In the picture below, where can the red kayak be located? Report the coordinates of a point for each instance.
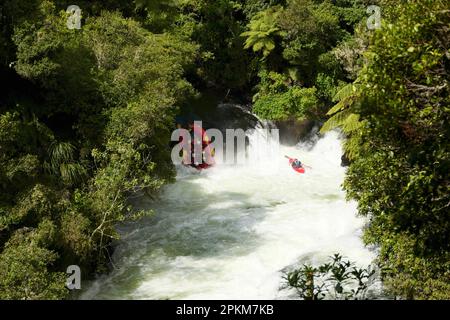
(299, 170)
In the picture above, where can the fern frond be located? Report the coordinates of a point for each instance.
(61, 163)
(345, 92)
(336, 108)
(60, 153)
(337, 120)
(352, 146)
(72, 173)
(351, 123)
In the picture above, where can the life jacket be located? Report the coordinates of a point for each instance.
(296, 164)
(200, 132)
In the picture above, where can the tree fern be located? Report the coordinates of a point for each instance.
(71, 172)
(262, 29)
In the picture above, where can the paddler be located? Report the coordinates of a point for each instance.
(297, 164)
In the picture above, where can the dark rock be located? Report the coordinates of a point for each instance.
(345, 162)
(292, 131)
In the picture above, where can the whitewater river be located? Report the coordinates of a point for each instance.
(229, 232)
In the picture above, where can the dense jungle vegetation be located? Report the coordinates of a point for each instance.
(86, 116)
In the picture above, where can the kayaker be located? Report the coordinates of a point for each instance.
(297, 164)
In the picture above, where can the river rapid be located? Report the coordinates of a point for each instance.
(230, 231)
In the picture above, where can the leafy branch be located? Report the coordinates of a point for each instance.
(338, 279)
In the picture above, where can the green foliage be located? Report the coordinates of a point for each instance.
(338, 279)
(216, 27)
(349, 53)
(312, 29)
(299, 40)
(278, 100)
(62, 163)
(253, 7)
(24, 267)
(93, 129)
(398, 114)
(263, 29)
(296, 102)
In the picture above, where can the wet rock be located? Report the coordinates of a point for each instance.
(292, 130)
(345, 162)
